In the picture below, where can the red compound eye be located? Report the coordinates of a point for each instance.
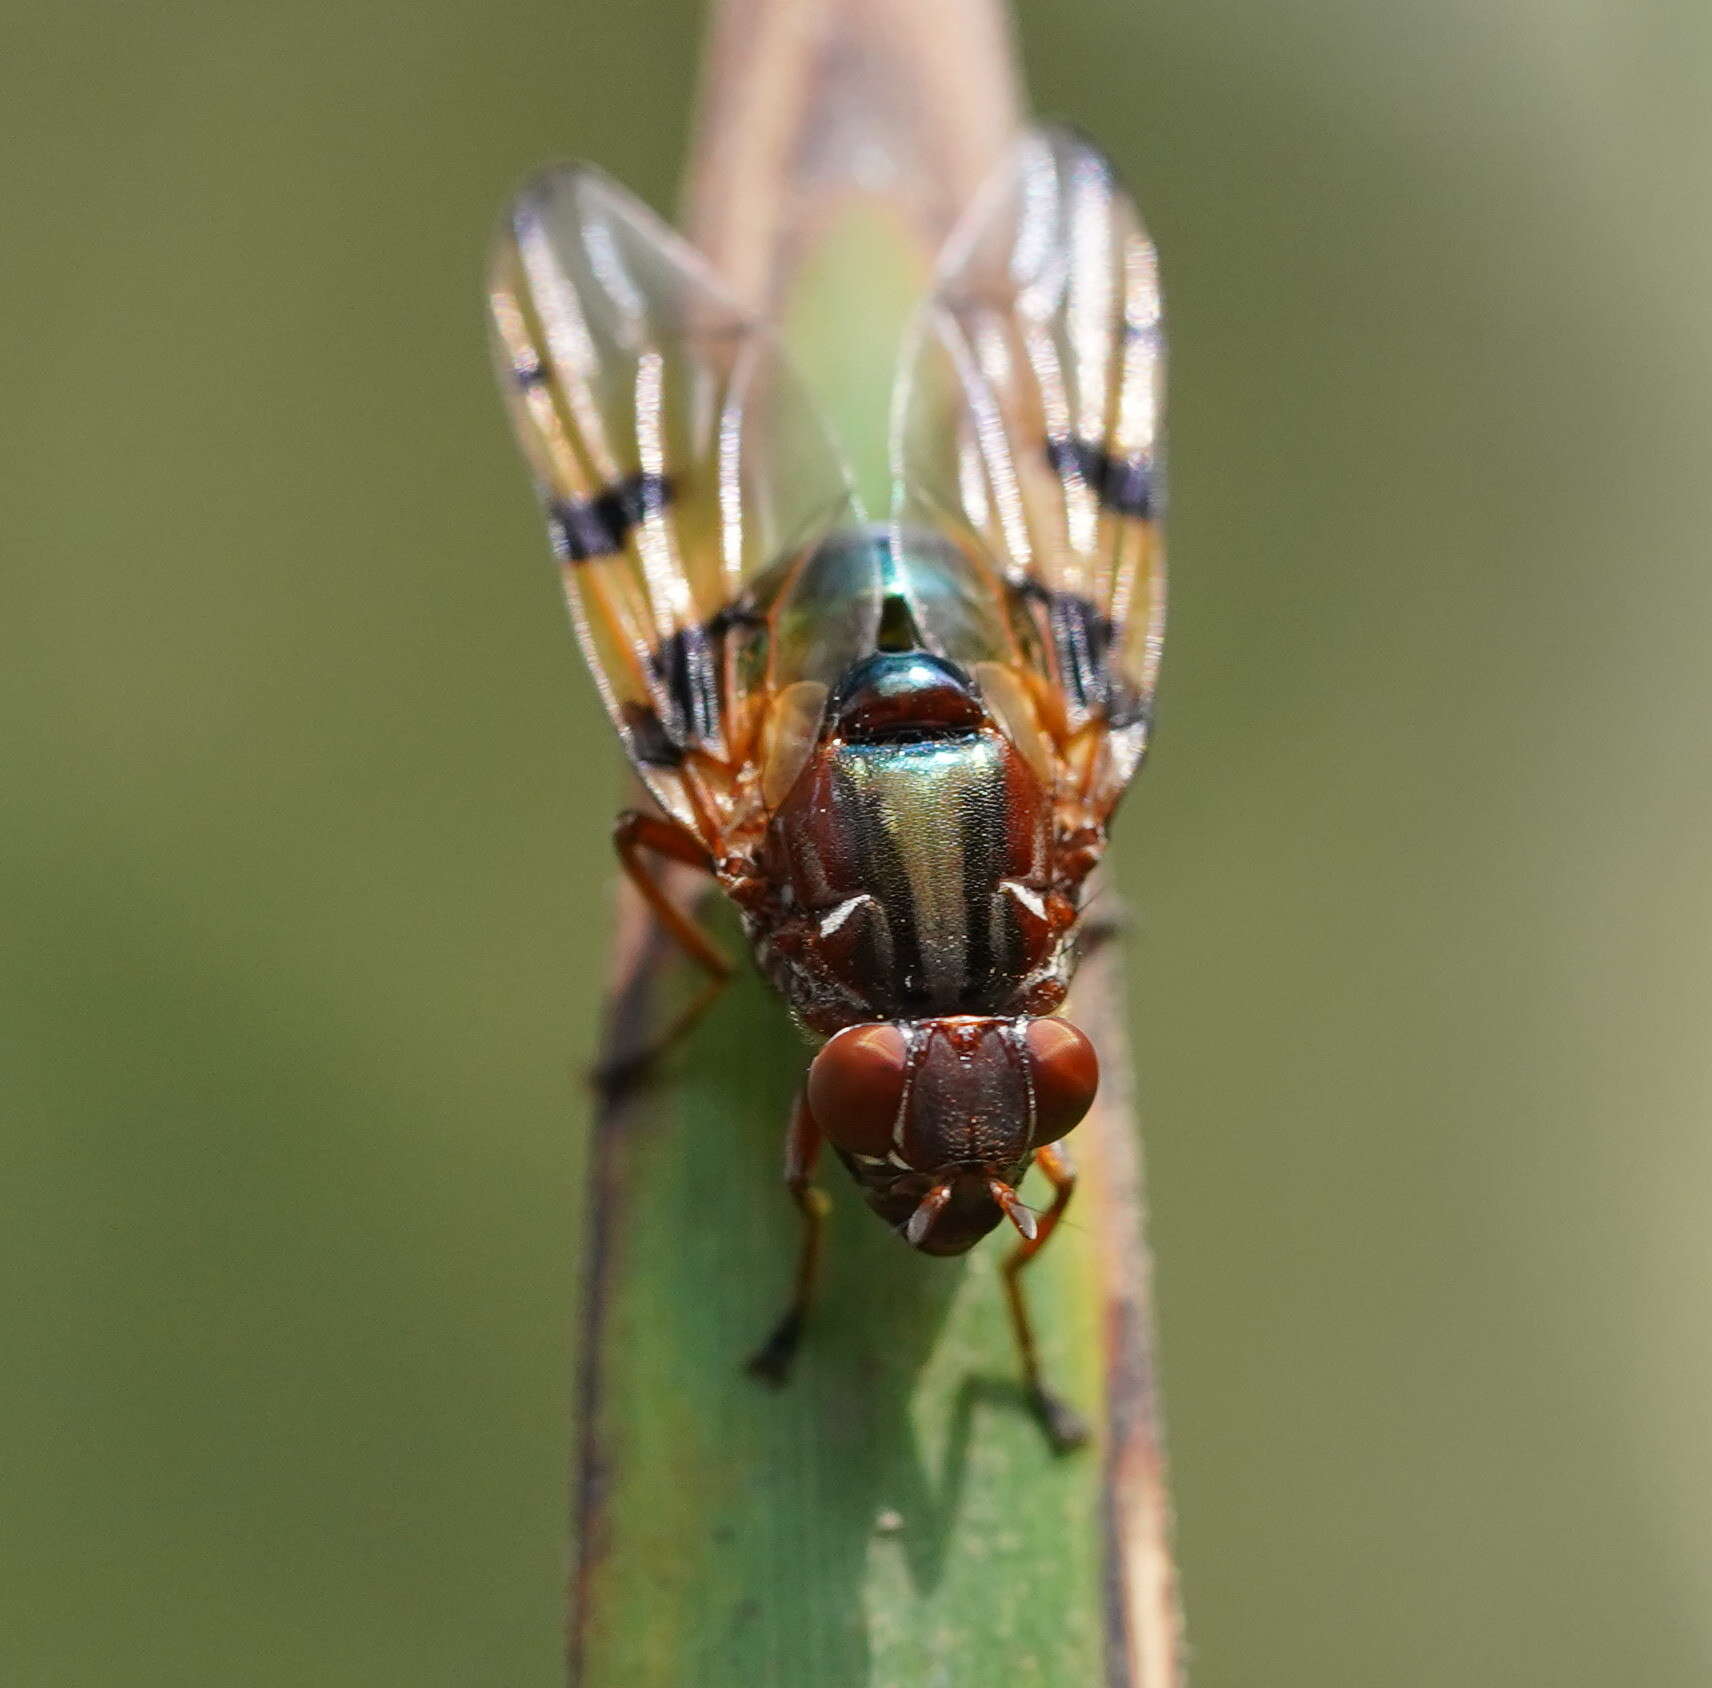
(1066, 1074)
(856, 1086)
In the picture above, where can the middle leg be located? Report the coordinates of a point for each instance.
(635, 837)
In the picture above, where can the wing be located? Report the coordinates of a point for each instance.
(686, 479)
(1028, 431)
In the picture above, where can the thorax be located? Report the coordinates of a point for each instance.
(913, 851)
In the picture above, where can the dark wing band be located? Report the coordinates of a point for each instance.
(677, 459)
(1029, 426)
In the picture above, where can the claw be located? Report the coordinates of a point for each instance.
(771, 1362)
(1066, 1429)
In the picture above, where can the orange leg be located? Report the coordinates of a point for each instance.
(772, 1360)
(1065, 1428)
(634, 832)
(636, 836)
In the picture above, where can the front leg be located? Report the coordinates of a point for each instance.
(1065, 1427)
(771, 1362)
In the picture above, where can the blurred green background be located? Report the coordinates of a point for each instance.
(306, 802)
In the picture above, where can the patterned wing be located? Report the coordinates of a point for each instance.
(1028, 431)
(685, 476)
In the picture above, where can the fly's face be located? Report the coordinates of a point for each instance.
(938, 1119)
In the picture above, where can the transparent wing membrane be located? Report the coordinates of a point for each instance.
(1028, 432)
(681, 468)
(712, 552)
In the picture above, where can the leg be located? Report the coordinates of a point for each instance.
(1064, 1426)
(772, 1360)
(633, 835)
(634, 832)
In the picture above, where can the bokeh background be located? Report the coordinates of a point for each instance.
(306, 798)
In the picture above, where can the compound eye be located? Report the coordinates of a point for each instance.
(856, 1086)
(1066, 1073)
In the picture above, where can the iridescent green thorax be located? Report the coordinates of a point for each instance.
(931, 819)
(915, 842)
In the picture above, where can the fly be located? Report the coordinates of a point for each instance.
(894, 739)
